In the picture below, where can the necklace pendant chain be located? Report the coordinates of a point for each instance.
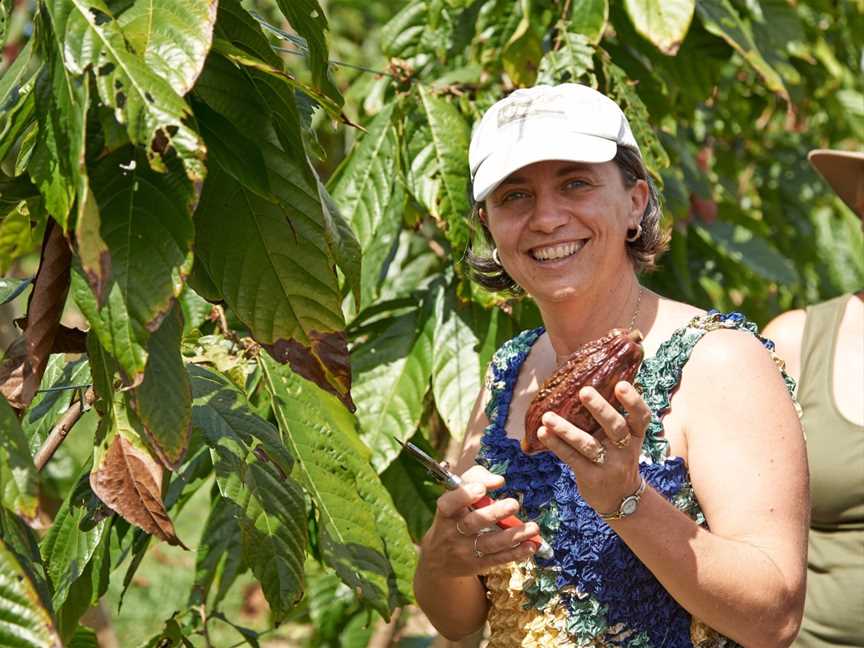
(636, 312)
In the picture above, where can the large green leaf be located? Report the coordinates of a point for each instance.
(219, 557)
(57, 162)
(146, 225)
(47, 406)
(72, 540)
(721, 19)
(308, 19)
(252, 468)
(456, 370)
(391, 378)
(362, 536)
(438, 168)
(523, 51)
(172, 36)
(366, 190)
(235, 25)
(19, 482)
(164, 399)
(663, 23)
(25, 621)
(17, 103)
(588, 18)
(414, 493)
(745, 247)
(154, 114)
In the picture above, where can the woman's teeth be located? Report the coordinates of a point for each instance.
(555, 251)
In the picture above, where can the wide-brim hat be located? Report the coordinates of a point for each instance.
(842, 170)
(569, 122)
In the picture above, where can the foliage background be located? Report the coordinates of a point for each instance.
(193, 155)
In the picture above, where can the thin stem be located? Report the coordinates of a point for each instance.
(63, 427)
(295, 52)
(63, 388)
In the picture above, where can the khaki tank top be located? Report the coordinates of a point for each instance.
(834, 608)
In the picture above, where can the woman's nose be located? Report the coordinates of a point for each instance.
(548, 214)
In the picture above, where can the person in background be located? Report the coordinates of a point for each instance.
(683, 520)
(823, 346)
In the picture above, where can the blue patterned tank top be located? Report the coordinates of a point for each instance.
(594, 591)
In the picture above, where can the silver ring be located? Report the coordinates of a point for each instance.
(459, 528)
(600, 458)
(477, 552)
(623, 443)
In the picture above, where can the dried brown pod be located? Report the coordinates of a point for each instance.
(600, 364)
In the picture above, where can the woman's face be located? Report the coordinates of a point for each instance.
(561, 226)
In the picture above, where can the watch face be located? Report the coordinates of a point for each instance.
(628, 506)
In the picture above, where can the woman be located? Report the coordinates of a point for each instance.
(824, 351)
(701, 480)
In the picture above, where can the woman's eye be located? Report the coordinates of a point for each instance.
(575, 183)
(513, 195)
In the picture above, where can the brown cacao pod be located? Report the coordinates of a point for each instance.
(600, 364)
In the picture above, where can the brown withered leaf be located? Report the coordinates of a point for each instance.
(129, 481)
(67, 340)
(21, 374)
(326, 362)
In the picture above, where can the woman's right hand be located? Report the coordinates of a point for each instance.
(456, 545)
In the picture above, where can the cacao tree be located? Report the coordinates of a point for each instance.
(257, 213)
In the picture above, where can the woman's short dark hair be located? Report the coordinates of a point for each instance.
(643, 252)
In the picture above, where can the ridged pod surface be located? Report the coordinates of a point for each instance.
(600, 364)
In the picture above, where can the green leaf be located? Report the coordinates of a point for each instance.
(366, 190)
(235, 25)
(391, 378)
(17, 102)
(621, 90)
(588, 18)
(73, 539)
(172, 36)
(252, 468)
(25, 623)
(57, 162)
(414, 494)
(751, 250)
(84, 637)
(19, 481)
(342, 242)
(572, 62)
(16, 236)
(164, 399)
(219, 558)
(308, 19)
(362, 536)
(720, 18)
(146, 224)
(663, 23)
(456, 370)
(523, 51)
(154, 114)
(47, 406)
(438, 171)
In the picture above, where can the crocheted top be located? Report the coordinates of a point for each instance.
(594, 591)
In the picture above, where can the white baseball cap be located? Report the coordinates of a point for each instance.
(564, 122)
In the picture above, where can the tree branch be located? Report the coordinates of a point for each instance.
(64, 425)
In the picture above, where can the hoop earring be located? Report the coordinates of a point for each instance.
(632, 238)
(495, 257)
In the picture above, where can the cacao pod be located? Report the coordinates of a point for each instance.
(600, 364)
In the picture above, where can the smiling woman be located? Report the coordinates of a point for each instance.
(653, 544)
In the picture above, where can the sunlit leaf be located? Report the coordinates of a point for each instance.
(523, 51)
(19, 484)
(47, 407)
(588, 18)
(663, 23)
(362, 536)
(26, 622)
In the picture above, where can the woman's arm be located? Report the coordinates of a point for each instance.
(446, 584)
(744, 575)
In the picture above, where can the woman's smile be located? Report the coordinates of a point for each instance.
(556, 252)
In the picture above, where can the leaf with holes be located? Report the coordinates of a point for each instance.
(362, 536)
(152, 111)
(172, 36)
(27, 622)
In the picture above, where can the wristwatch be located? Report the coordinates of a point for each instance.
(628, 505)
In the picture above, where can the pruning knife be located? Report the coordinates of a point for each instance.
(442, 475)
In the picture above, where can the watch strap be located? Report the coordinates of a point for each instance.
(620, 513)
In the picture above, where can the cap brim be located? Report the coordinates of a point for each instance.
(572, 147)
(841, 169)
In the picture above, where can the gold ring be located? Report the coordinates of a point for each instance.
(459, 528)
(623, 443)
(477, 552)
(600, 459)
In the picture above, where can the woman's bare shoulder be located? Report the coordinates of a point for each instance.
(786, 331)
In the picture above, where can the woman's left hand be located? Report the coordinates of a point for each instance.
(606, 466)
